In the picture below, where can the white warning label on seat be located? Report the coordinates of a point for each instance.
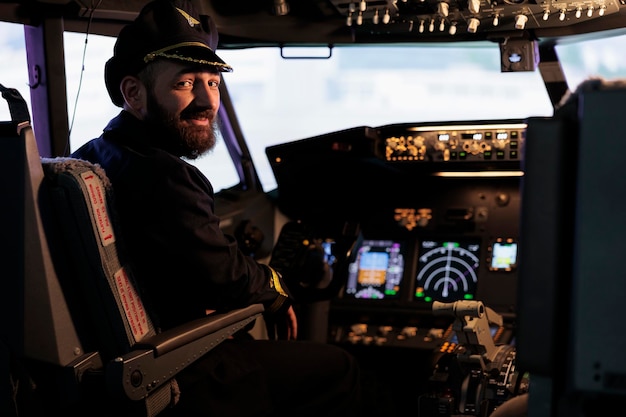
(133, 308)
(97, 199)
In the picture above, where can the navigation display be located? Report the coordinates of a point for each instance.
(503, 255)
(447, 270)
(377, 271)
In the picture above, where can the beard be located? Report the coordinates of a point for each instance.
(174, 136)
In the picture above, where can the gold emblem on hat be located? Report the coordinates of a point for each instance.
(192, 22)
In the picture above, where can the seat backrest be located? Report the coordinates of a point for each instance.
(571, 280)
(79, 221)
(32, 296)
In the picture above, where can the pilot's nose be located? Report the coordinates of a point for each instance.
(207, 96)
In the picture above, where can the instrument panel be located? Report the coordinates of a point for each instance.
(476, 142)
(437, 205)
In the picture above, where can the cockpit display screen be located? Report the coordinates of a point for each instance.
(447, 270)
(377, 270)
(503, 255)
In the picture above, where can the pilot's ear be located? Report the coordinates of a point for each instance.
(134, 93)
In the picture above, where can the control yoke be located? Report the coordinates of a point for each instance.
(472, 328)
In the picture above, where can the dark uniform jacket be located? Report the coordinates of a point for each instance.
(181, 259)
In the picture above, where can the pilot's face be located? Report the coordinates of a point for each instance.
(184, 100)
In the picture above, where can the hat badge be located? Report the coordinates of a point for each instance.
(190, 19)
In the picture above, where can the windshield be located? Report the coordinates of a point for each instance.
(279, 100)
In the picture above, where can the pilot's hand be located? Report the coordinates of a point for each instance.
(282, 325)
(291, 324)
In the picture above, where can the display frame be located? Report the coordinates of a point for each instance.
(368, 262)
(430, 273)
(503, 255)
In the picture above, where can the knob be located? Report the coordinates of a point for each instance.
(443, 8)
(472, 25)
(474, 6)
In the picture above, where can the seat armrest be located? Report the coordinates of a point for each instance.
(169, 340)
(154, 361)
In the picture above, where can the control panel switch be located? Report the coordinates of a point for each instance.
(409, 331)
(359, 329)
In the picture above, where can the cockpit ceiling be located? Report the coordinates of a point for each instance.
(414, 21)
(246, 23)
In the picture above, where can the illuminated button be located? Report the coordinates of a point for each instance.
(435, 333)
(487, 154)
(500, 154)
(462, 155)
(475, 147)
(513, 144)
(384, 330)
(359, 328)
(409, 331)
(513, 155)
(453, 155)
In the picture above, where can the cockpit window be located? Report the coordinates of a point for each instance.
(280, 100)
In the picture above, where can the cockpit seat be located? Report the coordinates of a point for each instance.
(77, 335)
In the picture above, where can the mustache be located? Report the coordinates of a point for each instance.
(195, 113)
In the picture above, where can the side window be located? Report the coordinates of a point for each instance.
(14, 69)
(89, 106)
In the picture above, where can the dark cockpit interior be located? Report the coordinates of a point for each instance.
(465, 263)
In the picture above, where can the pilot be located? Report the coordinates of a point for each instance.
(165, 76)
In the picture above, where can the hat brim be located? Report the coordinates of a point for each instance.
(190, 52)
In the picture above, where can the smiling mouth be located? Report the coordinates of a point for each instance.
(197, 118)
(202, 121)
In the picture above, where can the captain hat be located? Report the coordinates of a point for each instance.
(170, 29)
